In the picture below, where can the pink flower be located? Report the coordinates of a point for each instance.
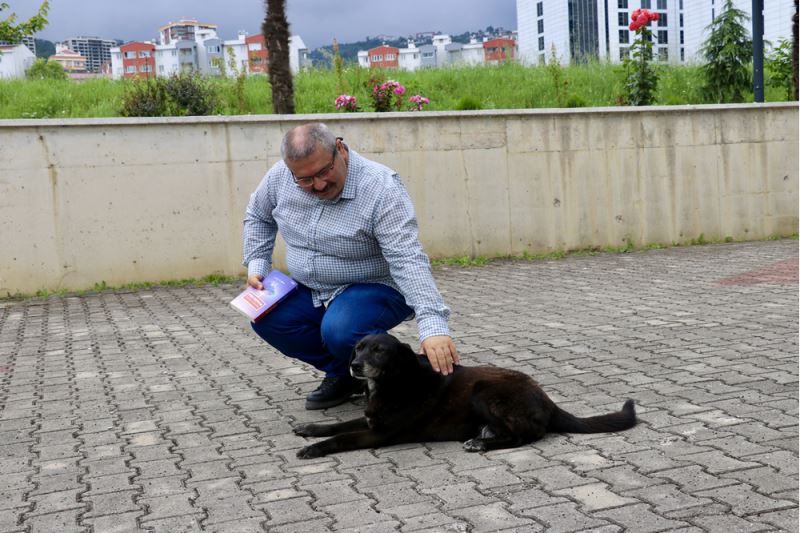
(346, 102)
(418, 102)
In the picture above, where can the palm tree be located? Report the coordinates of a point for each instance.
(276, 35)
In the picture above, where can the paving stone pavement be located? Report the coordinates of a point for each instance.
(159, 410)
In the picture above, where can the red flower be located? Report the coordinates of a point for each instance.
(635, 14)
(640, 18)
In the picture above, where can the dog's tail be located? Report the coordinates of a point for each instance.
(564, 422)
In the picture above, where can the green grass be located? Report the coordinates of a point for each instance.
(509, 86)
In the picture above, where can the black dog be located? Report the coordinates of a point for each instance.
(410, 402)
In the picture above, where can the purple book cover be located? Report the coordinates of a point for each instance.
(254, 303)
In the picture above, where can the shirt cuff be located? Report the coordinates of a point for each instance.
(258, 266)
(432, 325)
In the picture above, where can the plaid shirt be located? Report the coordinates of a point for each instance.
(367, 235)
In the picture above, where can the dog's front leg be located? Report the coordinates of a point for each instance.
(328, 430)
(343, 442)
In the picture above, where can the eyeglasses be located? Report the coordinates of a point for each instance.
(306, 181)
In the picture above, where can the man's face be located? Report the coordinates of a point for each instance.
(322, 173)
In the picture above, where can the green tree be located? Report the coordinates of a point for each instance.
(779, 67)
(43, 69)
(728, 52)
(14, 32)
(276, 35)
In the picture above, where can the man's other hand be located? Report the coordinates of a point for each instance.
(255, 281)
(441, 352)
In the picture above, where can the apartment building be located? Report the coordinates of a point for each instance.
(72, 62)
(184, 30)
(29, 42)
(777, 22)
(138, 59)
(204, 53)
(97, 51)
(581, 30)
(440, 53)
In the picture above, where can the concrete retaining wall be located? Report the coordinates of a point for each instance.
(127, 200)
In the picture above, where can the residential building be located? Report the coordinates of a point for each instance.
(298, 54)
(580, 30)
(184, 30)
(258, 55)
(499, 50)
(777, 22)
(15, 59)
(136, 59)
(96, 50)
(384, 57)
(73, 62)
(409, 57)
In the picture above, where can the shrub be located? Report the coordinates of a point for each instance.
(779, 67)
(576, 101)
(191, 94)
(181, 95)
(467, 103)
(46, 70)
(145, 98)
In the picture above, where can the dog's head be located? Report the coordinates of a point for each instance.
(382, 356)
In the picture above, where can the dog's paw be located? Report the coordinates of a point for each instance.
(303, 430)
(310, 452)
(475, 445)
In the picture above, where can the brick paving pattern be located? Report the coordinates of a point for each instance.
(159, 410)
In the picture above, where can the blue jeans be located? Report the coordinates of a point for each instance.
(324, 338)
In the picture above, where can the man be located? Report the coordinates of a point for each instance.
(352, 246)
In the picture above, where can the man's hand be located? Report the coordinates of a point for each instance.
(255, 281)
(441, 352)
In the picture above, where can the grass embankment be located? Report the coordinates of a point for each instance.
(510, 86)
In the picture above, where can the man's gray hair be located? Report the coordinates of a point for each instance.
(300, 142)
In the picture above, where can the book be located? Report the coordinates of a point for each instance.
(254, 303)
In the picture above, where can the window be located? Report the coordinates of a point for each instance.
(144, 53)
(680, 4)
(540, 25)
(145, 68)
(680, 18)
(622, 18)
(541, 43)
(174, 53)
(130, 69)
(541, 59)
(255, 47)
(377, 57)
(662, 20)
(624, 36)
(646, 4)
(681, 36)
(682, 58)
(539, 9)
(623, 53)
(161, 69)
(662, 37)
(427, 55)
(391, 57)
(130, 55)
(663, 55)
(661, 4)
(622, 4)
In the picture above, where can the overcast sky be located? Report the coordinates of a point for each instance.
(317, 22)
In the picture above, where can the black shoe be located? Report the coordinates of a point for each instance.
(333, 391)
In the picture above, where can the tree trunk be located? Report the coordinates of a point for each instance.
(276, 35)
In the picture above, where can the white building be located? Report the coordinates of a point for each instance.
(579, 30)
(15, 59)
(777, 22)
